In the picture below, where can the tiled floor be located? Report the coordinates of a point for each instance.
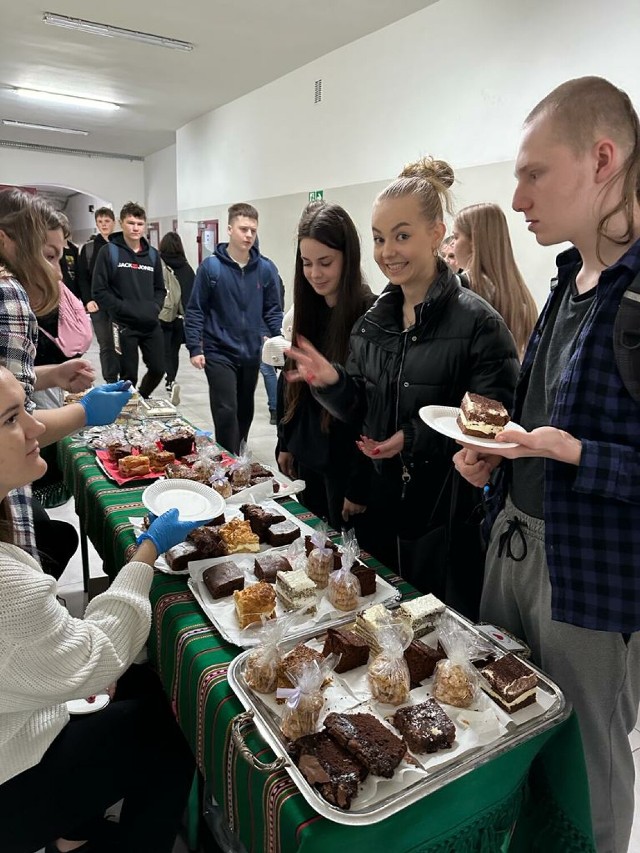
(262, 438)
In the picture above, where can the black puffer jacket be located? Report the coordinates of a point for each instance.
(458, 344)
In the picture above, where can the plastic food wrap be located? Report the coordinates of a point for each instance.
(218, 481)
(320, 559)
(388, 672)
(304, 703)
(455, 681)
(240, 470)
(261, 668)
(343, 586)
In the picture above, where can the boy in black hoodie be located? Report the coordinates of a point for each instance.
(128, 284)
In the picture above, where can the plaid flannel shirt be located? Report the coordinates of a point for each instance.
(592, 512)
(18, 340)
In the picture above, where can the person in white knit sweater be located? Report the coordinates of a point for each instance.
(58, 773)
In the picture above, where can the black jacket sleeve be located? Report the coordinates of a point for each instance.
(84, 276)
(101, 289)
(494, 372)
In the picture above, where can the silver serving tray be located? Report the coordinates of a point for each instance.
(267, 725)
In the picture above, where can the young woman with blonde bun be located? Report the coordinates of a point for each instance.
(482, 247)
(427, 340)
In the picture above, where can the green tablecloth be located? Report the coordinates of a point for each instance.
(542, 783)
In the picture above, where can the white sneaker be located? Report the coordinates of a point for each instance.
(175, 394)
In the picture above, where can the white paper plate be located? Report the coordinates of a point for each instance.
(81, 706)
(194, 501)
(443, 420)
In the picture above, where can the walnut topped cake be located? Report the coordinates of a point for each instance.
(481, 416)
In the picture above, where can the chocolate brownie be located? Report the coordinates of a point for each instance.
(366, 576)
(425, 727)
(328, 767)
(421, 660)
(179, 556)
(260, 519)
(352, 649)
(223, 578)
(208, 542)
(179, 442)
(266, 565)
(283, 533)
(368, 740)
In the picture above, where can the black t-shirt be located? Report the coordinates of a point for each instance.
(553, 354)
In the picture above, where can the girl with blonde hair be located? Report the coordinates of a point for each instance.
(426, 341)
(482, 247)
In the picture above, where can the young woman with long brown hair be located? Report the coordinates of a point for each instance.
(482, 247)
(329, 295)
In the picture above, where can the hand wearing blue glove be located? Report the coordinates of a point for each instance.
(167, 530)
(103, 404)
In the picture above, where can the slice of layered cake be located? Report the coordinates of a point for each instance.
(510, 683)
(296, 591)
(481, 416)
(422, 613)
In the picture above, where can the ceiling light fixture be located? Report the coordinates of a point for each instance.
(9, 122)
(68, 100)
(113, 32)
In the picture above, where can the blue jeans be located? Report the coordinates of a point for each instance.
(270, 383)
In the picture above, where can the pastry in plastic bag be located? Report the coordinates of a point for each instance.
(388, 672)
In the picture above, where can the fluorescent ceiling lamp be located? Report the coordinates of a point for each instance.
(68, 100)
(113, 32)
(8, 122)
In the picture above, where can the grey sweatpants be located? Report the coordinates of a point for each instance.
(597, 670)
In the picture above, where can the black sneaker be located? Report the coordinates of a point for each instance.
(273, 418)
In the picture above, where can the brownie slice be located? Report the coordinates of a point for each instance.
(366, 576)
(266, 566)
(425, 727)
(368, 740)
(179, 442)
(352, 649)
(223, 578)
(329, 768)
(421, 660)
(283, 533)
(179, 556)
(260, 519)
(209, 542)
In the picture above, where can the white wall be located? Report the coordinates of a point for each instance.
(81, 219)
(115, 181)
(161, 187)
(394, 95)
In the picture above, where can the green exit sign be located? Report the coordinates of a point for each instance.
(316, 195)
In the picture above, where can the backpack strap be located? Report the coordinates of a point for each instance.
(626, 338)
(113, 256)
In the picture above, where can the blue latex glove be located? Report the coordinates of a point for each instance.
(103, 404)
(167, 530)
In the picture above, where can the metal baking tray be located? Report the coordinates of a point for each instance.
(267, 724)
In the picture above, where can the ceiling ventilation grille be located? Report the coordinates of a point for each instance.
(75, 152)
(317, 92)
